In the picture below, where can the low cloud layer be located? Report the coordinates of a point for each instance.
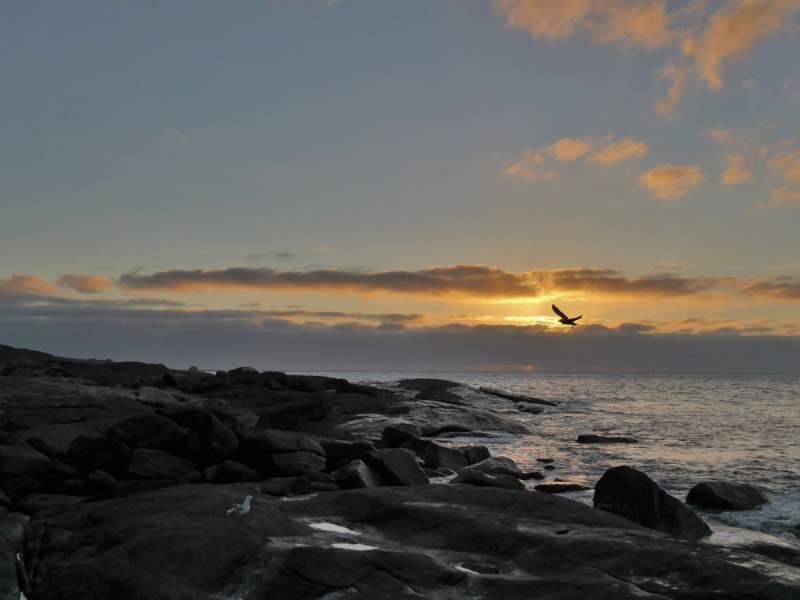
(86, 284)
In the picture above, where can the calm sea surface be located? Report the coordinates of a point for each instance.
(691, 428)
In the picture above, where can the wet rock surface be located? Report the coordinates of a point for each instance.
(726, 496)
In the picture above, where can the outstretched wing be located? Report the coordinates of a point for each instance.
(576, 318)
(559, 313)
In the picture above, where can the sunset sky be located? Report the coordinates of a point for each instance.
(403, 184)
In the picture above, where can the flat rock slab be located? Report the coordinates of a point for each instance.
(430, 541)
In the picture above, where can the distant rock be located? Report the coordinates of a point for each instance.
(632, 494)
(589, 438)
(516, 397)
(560, 487)
(479, 478)
(727, 496)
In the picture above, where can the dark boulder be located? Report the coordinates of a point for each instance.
(286, 486)
(475, 454)
(498, 465)
(229, 471)
(532, 475)
(589, 438)
(357, 475)
(560, 487)
(472, 477)
(157, 464)
(632, 494)
(256, 448)
(396, 435)
(435, 456)
(727, 496)
(286, 464)
(339, 453)
(209, 441)
(99, 454)
(19, 487)
(36, 502)
(152, 431)
(23, 461)
(397, 466)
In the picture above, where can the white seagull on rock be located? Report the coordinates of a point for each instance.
(240, 510)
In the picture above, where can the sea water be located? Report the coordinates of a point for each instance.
(690, 428)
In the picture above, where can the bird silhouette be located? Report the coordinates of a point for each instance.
(564, 320)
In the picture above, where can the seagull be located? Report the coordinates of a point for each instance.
(565, 320)
(240, 510)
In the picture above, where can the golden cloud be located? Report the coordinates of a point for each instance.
(86, 284)
(527, 167)
(568, 149)
(783, 195)
(668, 182)
(19, 284)
(736, 172)
(614, 152)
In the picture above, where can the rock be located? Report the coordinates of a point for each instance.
(177, 543)
(633, 495)
(36, 502)
(549, 467)
(12, 529)
(209, 441)
(287, 464)
(727, 496)
(155, 397)
(151, 431)
(396, 435)
(99, 454)
(180, 413)
(100, 482)
(517, 398)
(475, 454)
(19, 487)
(588, 438)
(9, 589)
(257, 447)
(229, 471)
(431, 473)
(286, 486)
(357, 475)
(533, 410)
(340, 453)
(396, 466)
(560, 487)
(142, 486)
(157, 464)
(21, 461)
(545, 461)
(497, 465)
(435, 456)
(532, 475)
(479, 478)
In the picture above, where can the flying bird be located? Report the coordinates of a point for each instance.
(240, 510)
(565, 320)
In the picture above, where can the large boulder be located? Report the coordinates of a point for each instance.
(339, 453)
(146, 463)
(481, 479)
(475, 454)
(357, 475)
(286, 464)
(23, 461)
(632, 494)
(152, 431)
(399, 433)
(257, 448)
(99, 453)
(727, 496)
(498, 465)
(209, 440)
(436, 456)
(396, 466)
(155, 397)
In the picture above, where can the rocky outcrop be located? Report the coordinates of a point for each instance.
(498, 465)
(516, 397)
(481, 479)
(632, 494)
(726, 496)
(396, 466)
(590, 438)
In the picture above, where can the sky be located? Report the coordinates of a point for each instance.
(399, 185)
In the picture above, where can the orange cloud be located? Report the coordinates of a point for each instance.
(736, 172)
(568, 149)
(780, 288)
(614, 152)
(677, 75)
(783, 195)
(86, 284)
(733, 30)
(721, 136)
(527, 167)
(19, 284)
(668, 182)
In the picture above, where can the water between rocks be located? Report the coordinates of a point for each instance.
(690, 427)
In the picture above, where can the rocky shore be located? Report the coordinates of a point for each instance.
(115, 481)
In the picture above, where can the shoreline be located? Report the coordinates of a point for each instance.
(106, 451)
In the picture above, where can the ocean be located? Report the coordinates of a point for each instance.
(690, 428)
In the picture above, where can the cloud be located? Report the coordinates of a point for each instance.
(780, 289)
(22, 285)
(721, 136)
(668, 266)
(268, 255)
(736, 172)
(86, 284)
(694, 40)
(750, 84)
(532, 165)
(668, 182)
(568, 149)
(783, 195)
(733, 30)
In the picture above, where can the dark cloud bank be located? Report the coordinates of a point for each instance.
(224, 339)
